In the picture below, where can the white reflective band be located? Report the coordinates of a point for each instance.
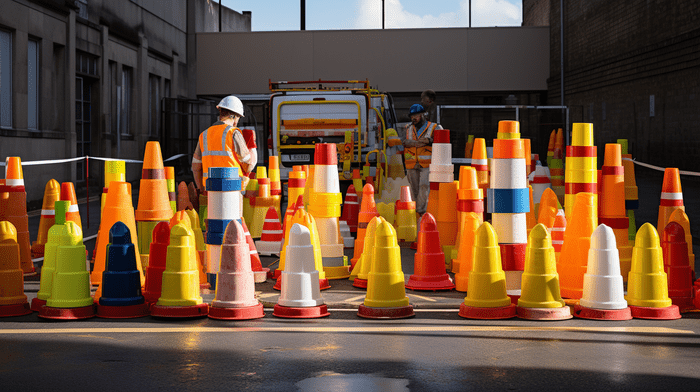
(195, 160)
(12, 182)
(271, 221)
(350, 202)
(672, 195)
(48, 212)
(73, 208)
(557, 242)
(272, 231)
(480, 161)
(558, 229)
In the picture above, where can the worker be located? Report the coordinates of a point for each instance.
(417, 155)
(427, 100)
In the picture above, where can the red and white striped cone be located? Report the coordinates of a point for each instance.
(270, 242)
(558, 232)
(351, 208)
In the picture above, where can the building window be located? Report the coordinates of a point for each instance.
(153, 105)
(5, 79)
(86, 64)
(33, 85)
(124, 100)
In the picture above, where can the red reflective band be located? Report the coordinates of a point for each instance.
(576, 187)
(582, 151)
(153, 174)
(613, 171)
(480, 167)
(671, 203)
(615, 223)
(513, 256)
(263, 181)
(441, 136)
(10, 188)
(105, 190)
(470, 206)
(540, 180)
(405, 205)
(296, 183)
(275, 192)
(434, 186)
(326, 154)
(275, 185)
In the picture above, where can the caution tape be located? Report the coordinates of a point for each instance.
(55, 161)
(659, 168)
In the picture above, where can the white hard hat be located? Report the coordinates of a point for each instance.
(233, 104)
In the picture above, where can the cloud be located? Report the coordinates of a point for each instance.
(484, 13)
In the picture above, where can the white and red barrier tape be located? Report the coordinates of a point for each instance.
(54, 161)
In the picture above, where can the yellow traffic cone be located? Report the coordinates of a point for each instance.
(49, 266)
(52, 193)
(364, 264)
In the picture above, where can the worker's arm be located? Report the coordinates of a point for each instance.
(197, 168)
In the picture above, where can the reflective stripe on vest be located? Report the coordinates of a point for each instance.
(214, 151)
(422, 155)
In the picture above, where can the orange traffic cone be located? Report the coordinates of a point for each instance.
(52, 193)
(270, 242)
(465, 256)
(558, 232)
(368, 210)
(13, 208)
(68, 194)
(183, 199)
(13, 301)
(573, 260)
(429, 269)
(679, 216)
(548, 209)
(550, 146)
(351, 208)
(680, 276)
(480, 163)
(671, 197)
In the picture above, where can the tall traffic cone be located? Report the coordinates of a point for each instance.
(295, 187)
(301, 294)
(550, 146)
(548, 209)
(364, 264)
(49, 266)
(470, 198)
(573, 260)
(291, 210)
(581, 173)
(70, 291)
(386, 294)
(251, 192)
(429, 269)
(680, 276)
(13, 208)
(462, 265)
(259, 272)
(603, 296)
(541, 299)
(183, 198)
(201, 247)
(262, 202)
(368, 210)
(679, 216)
(647, 285)
(275, 182)
(540, 182)
(631, 190)
(170, 181)
(180, 289)
(193, 195)
(487, 297)
(156, 265)
(671, 197)
(480, 163)
(114, 171)
(121, 283)
(235, 289)
(13, 301)
(556, 167)
(118, 207)
(270, 242)
(68, 194)
(447, 220)
(52, 193)
(407, 229)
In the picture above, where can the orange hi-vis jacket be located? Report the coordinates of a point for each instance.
(422, 155)
(216, 143)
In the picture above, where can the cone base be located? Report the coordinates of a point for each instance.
(84, 312)
(260, 276)
(514, 296)
(15, 310)
(200, 310)
(150, 298)
(277, 272)
(430, 283)
(603, 314)
(37, 304)
(246, 313)
(407, 244)
(414, 245)
(37, 250)
(342, 272)
(544, 314)
(323, 284)
(685, 304)
(30, 273)
(385, 313)
(122, 312)
(504, 312)
(310, 312)
(669, 313)
(359, 283)
(204, 286)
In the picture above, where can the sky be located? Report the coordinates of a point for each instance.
(282, 15)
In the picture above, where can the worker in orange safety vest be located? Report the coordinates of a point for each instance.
(418, 154)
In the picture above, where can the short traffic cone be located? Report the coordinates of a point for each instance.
(368, 210)
(305, 219)
(671, 197)
(259, 272)
(275, 182)
(364, 264)
(170, 181)
(52, 194)
(549, 207)
(386, 294)
(462, 266)
(540, 298)
(558, 232)
(573, 260)
(295, 188)
(70, 291)
(357, 184)
(678, 271)
(429, 269)
(13, 208)
(251, 192)
(647, 285)
(262, 202)
(183, 198)
(235, 288)
(13, 301)
(679, 216)
(406, 227)
(200, 246)
(301, 294)
(49, 266)
(180, 288)
(156, 263)
(603, 296)
(480, 163)
(68, 194)
(487, 298)
(193, 195)
(270, 242)
(121, 284)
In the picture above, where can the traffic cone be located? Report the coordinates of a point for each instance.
(671, 197)
(603, 296)
(469, 146)
(70, 290)
(470, 198)
(262, 202)
(309, 187)
(548, 209)
(480, 163)
(441, 167)
(364, 264)
(251, 192)
(577, 240)
(530, 217)
(157, 258)
(301, 295)
(259, 272)
(183, 198)
(49, 266)
(647, 285)
(180, 288)
(194, 197)
(387, 211)
(357, 183)
(291, 210)
(556, 168)
(407, 229)
(487, 297)
(631, 190)
(13, 208)
(386, 294)
(541, 299)
(581, 173)
(275, 182)
(528, 157)
(170, 181)
(429, 269)
(678, 271)
(540, 182)
(13, 301)
(465, 256)
(558, 232)
(118, 208)
(52, 193)
(295, 187)
(201, 248)
(114, 171)
(121, 284)
(68, 194)
(679, 216)
(368, 210)
(270, 242)
(235, 289)
(447, 220)
(550, 146)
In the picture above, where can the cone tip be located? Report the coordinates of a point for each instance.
(272, 213)
(73, 234)
(406, 193)
(351, 189)
(234, 234)
(673, 232)
(647, 237)
(180, 217)
(119, 234)
(152, 158)
(427, 222)
(193, 216)
(52, 186)
(486, 236)
(161, 233)
(678, 215)
(538, 234)
(672, 180)
(299, 235)
(8, 232)
(613, 155)
(508, 126)
(467, 178)
(68, 192)
(368, 189)
(180, 230)
(603, 237)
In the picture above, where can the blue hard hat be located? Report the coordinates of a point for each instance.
(415, 109)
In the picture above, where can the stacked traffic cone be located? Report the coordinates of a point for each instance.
(470, 198)
(487, 297)
(325, 208)
(263, 201)
(357, 183)
(581, 166)
(368, 210)
(550, 147)
(13, 208)
(448, 220)
(631, 190)
(68, 194)
(180, 288)
(603, 296)
(441, 167)
(295, 188)
(647, 285)
(157, 258)
(235, 290)
(291, 210)
(52, 193)
(540, 182)
(671, 197)
(301, 294)
(679, 216)
(114, 171)
(118, 208)
(386, 294)
(251, 192)
(429, 269)
(201, 248)
(259, 272)
(549, 207)
(170, 182)
(270, 242)
(275, 183)
(406, 227)
(363, 266)
(462, 265)
(49, 265)
(183, 198)
(577, 240)
(556, 168)
(309, 187)
(13, 301)
(121, 284)
(508, 200)
(194, 197)
(541, 299)
(678, 271)
(70, 290)
(558, 232)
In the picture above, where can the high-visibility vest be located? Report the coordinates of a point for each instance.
(422, 155)
(216, 143)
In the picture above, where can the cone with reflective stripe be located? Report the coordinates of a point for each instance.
(235, 289)
(52, 193)
(487, 298)
(671, 197)
(573, 260)
(480, 163)
(368, 210)
(678, 271)
(49, 265)
(263, 201)
(13, 301)
(270, 242)
(541, 299)
(251, 192)
(462, 266)
(528, 157)
(364, 264)
(679, 216)
(441, 166)
(647, 285)
(183, 198)
(291, 210)
(550, 146)
(275, 183)
(558, 232)
(156, 265)
(305, 219)
(13, 208)
(581, 165)
(114, 171)
(407, 229)
(603, 296)
(295, 189)
(357, 183)
(68, 194)
(429, 272)
(170, 181)
(470, 198)
(201, 248)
